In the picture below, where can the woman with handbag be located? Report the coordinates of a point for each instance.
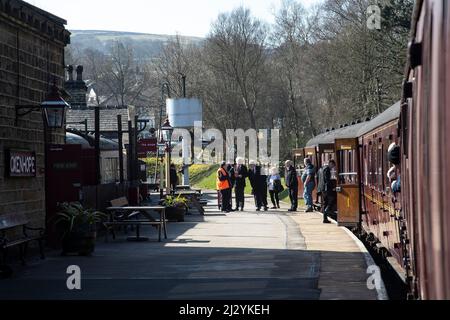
(275, 187)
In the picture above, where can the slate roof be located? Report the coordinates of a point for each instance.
(358, 129)
(390, 114)
(329, 137)
(108, 119)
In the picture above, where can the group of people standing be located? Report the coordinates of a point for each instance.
(308, 180)
(326, 181)
(234, 175)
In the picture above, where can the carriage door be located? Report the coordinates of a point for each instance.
(348, 185)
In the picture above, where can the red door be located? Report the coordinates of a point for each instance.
(63, 181)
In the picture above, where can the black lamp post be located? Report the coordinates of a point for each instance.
(53, 109)
(166, 132)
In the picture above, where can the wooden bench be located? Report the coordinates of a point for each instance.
(118, 215)
(10, 222)
(122, 202)
(129, 216)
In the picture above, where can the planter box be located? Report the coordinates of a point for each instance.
(82, 244)
(175, 214)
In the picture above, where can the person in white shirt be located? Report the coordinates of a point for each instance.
(274, 185)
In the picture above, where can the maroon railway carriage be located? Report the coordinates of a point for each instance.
(364, 199)
(415, 232)
(341, 145)
(380, 207)
(425, 173)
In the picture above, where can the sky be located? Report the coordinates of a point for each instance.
(185, 17)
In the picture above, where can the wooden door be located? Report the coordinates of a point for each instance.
(348, 184)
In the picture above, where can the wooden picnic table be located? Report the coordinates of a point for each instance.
(127, 210)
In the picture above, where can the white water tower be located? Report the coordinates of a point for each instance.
(183, 113)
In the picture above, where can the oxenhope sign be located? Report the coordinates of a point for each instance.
(20, 163)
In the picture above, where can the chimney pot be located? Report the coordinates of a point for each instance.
(80, 73)
(70, 72)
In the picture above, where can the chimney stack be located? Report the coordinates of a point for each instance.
(77, 89)
(70, 72)
(80, 73)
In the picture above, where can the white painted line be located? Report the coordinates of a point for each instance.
(381, 292)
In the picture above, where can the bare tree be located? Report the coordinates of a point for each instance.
(236, 51)
(124, 79)
(290, 38)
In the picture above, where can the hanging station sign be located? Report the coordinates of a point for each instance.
(146, 146)
(20, 163)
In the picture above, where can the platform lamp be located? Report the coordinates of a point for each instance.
(53, 109)
(167, 130)
(160, 159)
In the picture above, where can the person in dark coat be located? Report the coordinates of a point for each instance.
(263, 188)
(173, 177)
(230, 170)
(258, 183)
(241, 174)
(292, 184)
(329, 191)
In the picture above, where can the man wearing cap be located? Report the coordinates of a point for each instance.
(240, 175)
(230, 169)
(292, 184)
(308, 179)
(224, 186)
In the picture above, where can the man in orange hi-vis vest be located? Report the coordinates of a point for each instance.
(224, 186)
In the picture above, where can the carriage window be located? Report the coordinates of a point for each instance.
(347, 174)
(380, 168)
(365, 154)
(385, 168)
(370, 159)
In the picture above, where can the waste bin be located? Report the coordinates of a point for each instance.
(133, 196)
(143, 189)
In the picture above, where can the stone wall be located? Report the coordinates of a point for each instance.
(31, 58)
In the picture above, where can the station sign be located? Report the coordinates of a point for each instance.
(146, 146)
(20, 163)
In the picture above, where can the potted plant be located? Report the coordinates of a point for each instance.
(175, 208)
(78, 227)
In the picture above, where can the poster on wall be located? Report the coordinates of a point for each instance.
(20, 163)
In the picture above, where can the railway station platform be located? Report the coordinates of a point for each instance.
(240, 255)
